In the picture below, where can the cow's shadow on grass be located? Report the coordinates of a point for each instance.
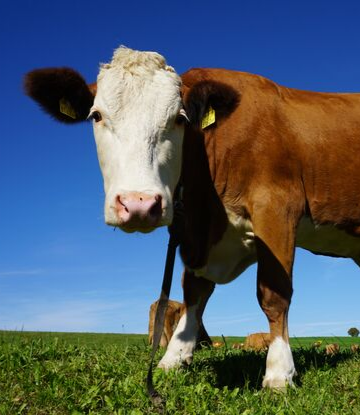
(247, 368)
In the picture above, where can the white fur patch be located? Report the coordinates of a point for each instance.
(326, 239)
(182, 344)
(232, 254)
(138, 142)
(280, 368)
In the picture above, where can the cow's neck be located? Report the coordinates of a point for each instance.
(205, 216)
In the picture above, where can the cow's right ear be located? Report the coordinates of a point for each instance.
(61, 92)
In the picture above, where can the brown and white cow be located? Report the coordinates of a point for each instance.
(264, 168)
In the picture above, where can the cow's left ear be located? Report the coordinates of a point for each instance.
(221, 99)
(61, 92)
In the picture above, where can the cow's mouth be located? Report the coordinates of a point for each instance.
(142, 229)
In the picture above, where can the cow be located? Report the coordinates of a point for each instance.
(257, 341)
(263, 169)
(172, 316)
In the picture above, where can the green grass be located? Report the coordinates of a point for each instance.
(63, 373)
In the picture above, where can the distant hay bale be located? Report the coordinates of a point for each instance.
(331, 349)
(257, 341)
(238, 346)
(355, 348)
(172, 317)
(317, 344)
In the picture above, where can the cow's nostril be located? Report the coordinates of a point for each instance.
(120, 204)
(156, 208)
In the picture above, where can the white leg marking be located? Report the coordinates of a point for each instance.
(280, 367)
(182, 344)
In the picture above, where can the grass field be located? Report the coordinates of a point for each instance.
(67, 373)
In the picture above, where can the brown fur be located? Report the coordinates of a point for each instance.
(257, 341)
(48, 86)
(278, 155)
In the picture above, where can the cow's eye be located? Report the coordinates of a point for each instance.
(96, 116)
(181, 118)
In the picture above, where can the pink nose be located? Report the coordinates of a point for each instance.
(137, 211)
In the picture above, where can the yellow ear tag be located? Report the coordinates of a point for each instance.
(209, 118)
(67, 109)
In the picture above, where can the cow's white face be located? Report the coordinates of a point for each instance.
(137, 115)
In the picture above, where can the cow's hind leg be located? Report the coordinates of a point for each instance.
(275, 230)
(189, 329)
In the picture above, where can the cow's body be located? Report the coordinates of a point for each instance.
(278, 168)
(283, 143)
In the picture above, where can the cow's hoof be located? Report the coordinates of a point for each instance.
(173, 362)
(279, 384)
(168, 365)
(280, 368)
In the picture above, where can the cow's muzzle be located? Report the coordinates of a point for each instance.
(138, 211)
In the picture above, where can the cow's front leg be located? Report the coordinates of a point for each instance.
(274, 294)
(275, 231)
(180, 350)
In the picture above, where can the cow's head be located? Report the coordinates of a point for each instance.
(138, 117)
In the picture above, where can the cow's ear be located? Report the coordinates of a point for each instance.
(61, 92)
(208, 101)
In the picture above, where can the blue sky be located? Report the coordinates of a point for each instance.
(61, 267)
